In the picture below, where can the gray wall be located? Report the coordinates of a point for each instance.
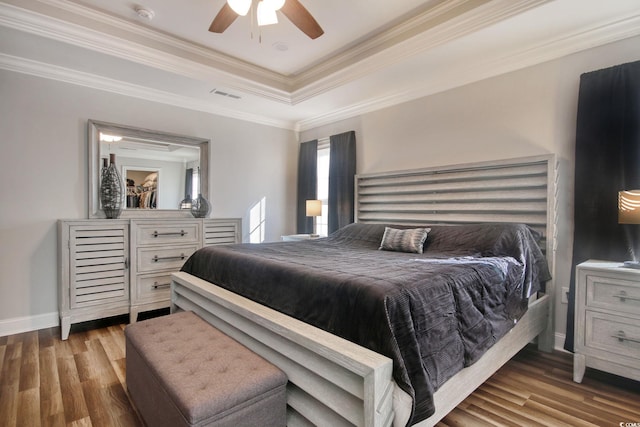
(43, 177)
(522, 113)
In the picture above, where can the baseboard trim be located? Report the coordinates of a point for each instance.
(559, 342)
(18, 325)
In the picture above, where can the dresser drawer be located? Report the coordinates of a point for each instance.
(165, 233)
(615, 334)
(163, 259)
(614, 294)
(153, 287)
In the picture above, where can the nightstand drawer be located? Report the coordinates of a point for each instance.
(162, 259)
(613, 294)
(166, 233)
(153, 287)
(615, 334)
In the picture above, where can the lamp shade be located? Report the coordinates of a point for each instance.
(314, 207)
(629, 207)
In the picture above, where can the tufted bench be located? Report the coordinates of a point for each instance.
(181, 371)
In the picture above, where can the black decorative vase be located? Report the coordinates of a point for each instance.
(200, 207)
(111, 189)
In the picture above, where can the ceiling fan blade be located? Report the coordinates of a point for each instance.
(301, 18)
(223, 19)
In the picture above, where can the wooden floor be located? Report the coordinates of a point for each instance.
(81, 382)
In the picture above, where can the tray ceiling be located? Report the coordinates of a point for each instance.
(373, 54)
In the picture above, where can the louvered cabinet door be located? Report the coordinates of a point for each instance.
(98, 265)
(222, 231)
(94, 279)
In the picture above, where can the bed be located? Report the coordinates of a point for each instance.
(356, 366)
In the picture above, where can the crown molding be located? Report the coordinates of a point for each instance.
(171, 55)
(586, 38)
(216, 59)
(201, 63)
(67, 75)
(191, 60)
(412, 37)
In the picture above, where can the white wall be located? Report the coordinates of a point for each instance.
(527, 112)
(43, 177)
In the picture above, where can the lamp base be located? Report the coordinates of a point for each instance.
(632, 264)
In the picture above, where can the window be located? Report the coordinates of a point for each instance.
(322, 222)
(195, 183)
(257, 221)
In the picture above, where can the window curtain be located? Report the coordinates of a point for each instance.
(307, 184)
(607, 160)
(342, 170)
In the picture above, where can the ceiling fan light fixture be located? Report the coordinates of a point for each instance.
(266, 15)
(274, 4)
(241, 7)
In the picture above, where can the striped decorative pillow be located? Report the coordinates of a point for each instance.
(409, 240)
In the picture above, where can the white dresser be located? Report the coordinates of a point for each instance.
(159, 248)
(607, 319)
(112, 267)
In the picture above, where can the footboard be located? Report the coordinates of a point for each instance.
(332, 381)
(457, 388)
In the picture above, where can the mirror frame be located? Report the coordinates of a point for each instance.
(94, 129)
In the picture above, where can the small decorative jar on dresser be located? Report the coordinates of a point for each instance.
(111, 267)
(607, 319)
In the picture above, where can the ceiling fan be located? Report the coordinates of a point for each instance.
(266, 14)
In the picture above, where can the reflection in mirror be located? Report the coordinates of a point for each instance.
(159, 170)
(142, 187)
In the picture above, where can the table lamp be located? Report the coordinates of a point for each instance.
(629, 213)
(314, 209)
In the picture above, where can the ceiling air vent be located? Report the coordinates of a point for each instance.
(223, 93)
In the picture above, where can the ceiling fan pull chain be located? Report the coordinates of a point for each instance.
(253, 9)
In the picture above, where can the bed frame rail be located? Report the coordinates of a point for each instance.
(332, 381)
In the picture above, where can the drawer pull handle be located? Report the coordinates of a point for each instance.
(171, 233)
(157, 285)
(623, 296)
(622, 337)
(156, 258)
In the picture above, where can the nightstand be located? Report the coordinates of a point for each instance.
(607, 319)
(297, 237)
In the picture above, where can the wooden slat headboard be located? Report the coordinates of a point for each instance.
(521, 190)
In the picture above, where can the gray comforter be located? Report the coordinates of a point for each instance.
(432, 313)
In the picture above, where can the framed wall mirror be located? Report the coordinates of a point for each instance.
(159, 170)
